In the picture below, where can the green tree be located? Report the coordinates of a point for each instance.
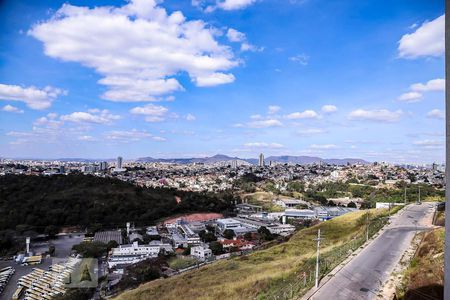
(412, 177)
(209, 237)
(112, 244)
(51, 231)
(187, 250)
(216, 248)
(229, 234)
(295, 186)
(91, 249)
(248, 236)
(265, 233)
(351, 204)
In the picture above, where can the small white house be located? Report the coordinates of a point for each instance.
(201, 252)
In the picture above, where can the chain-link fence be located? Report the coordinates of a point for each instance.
(295, 284)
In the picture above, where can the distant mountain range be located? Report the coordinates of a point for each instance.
(205, 160)
(301, 160)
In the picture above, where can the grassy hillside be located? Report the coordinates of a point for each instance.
(263, 199)
(424, 278)
(274, 272)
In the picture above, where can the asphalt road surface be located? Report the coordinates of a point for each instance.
(363, 275)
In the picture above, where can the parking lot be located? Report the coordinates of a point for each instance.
(5, 275)
(63, 246)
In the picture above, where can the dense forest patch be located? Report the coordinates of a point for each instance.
(36, 202)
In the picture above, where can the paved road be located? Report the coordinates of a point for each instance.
(363, 275)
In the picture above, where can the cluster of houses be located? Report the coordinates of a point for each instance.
(184, 234)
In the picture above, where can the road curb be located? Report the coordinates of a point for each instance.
(339, 267)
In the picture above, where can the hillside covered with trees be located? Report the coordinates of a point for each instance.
(37, 202)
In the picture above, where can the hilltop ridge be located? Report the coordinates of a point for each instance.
(302, 160)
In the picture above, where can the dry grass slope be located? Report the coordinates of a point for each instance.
(255, 275)
(424, 278)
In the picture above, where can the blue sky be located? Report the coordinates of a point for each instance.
(334, 79)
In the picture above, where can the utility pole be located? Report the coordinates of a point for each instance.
(317, 258)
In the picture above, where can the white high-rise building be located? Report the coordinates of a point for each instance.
(103, 166)
(234, 164)
(118, 167)
(261, 160)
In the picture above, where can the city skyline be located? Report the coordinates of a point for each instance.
(232, 77)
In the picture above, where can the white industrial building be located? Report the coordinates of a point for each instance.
(229, 223)
(134, 253)
(322, 213)
(241, 225)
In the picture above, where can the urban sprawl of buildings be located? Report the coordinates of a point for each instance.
(207, 237)
(222, 175)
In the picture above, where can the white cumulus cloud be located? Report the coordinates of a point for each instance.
(234, 35)
(381, 115)
(214, 79)
(329, 108)
(264, 123)
(153, 113)
(94, 116)
(431, 85)
(427, 40)
(13, 109)
(234, 4)
(307, 114)
(417, 89)
(33, 97)
(134, 135)
(410, 97)
(436, 114)
(238, 37)
(273, 109)
(138, 48)
(310, 131)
